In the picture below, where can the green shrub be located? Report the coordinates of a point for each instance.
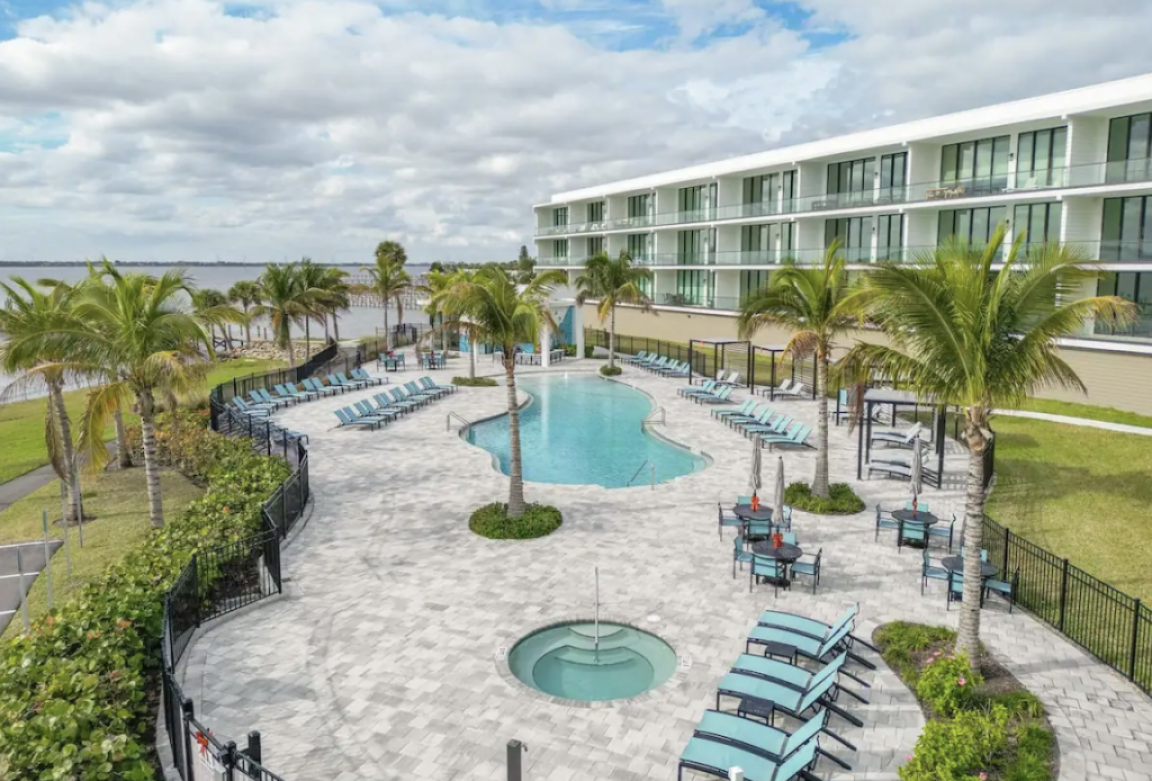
(570, 350)
(1020, 705)
(1033, 760)
(842, 500)
(948, 684)
(958, 749)
(899, 641)
(610, 371)
(474, 382)
(492, 521)
(74, 700)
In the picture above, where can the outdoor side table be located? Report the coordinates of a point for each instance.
(754, 707)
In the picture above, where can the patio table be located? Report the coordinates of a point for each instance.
(785, 553)
(956, 564)
(922, 517)
(745, 513)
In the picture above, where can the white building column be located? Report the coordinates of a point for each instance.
(545, 347)
(578, 329)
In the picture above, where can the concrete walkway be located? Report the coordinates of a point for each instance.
(385, 659)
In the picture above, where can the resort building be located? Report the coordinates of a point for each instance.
(1074, 167)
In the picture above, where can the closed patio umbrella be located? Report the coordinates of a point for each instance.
(754, 480)
(778, 499)
(917, 472)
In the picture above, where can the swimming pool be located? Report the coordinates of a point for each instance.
(582, 430)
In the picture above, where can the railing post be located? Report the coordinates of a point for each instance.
(230, 760)
(253, 751)
(187, 711)
(516, 750)
(1007, 542)
(1135, 640)
(1063, 594)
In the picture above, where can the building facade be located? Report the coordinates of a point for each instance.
(1074, 167)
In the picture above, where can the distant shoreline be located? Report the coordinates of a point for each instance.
(189, 264)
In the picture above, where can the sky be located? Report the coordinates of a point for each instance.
(184, 130)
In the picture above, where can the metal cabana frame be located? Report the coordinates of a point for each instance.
(720, 348)
(772, 351)
(898, 399)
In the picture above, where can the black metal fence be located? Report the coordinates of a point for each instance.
(1106, 622)
(226, 578)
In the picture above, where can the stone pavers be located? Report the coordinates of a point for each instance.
(382, 659)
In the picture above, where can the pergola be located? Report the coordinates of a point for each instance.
(721, 348)
(898, 399)
(772, 351)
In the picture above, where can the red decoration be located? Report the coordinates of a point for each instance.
(777, 540)
(755, 502)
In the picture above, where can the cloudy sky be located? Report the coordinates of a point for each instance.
(189, 130)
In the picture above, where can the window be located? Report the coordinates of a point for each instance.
(595, 245)
(971, 226)
(693, 202)
(854, 235)
(1127, 229)
(692, 247)
(638, 246)
(893, 177)
(1131, 286)
(694, 287)
(851, 182)
(980, 167)
(766, 243)
(560, 248)
(638, 207)
(890, 237)
(768, 194)
(560, 216)
(1039, 222)
(1040, 158)
(596, 211)
(751, 281)
(1129, 149)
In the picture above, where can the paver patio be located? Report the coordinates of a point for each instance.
(383, 658)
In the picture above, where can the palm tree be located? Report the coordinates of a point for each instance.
(391, 252)
(138, 324)
(389, 282)
(335, 293)
(491, 307)
(284, 301)
(33, 321)
(212, 307)
(965, 334)
(246, 293)
(613, 282)
(311, 277)
(437, 282)
(816, 304)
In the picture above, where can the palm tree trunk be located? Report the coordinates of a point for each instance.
(247, 327)
(123, 457)
(968, 636)
(327, 334)
(336, 325)
(471, 359)
(515, 468)
(612, 339)
(71, 483)
(820, 482)
(307, 338)
(387, 331)
(151, 465)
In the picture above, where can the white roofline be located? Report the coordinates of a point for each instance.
(1054, 105)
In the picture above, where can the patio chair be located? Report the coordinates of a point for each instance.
(785, 699)
(808, 568)
(726, 519)
(360, 373)
(842, 409)
(955, 588)
(885, 523)
(432, 386)
(798, 438)
(719, 397)
(764, 738)
(914, 532)
(313, 384)
(744, 409)
(929, 571)
(739, 554)
(1005, 588)
(766, 567)
(718, 757)
(983, 553)
(944, 532)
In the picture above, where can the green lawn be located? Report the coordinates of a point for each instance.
(1081, 493)
(1074, 410)
(119, 502)
(22, 422)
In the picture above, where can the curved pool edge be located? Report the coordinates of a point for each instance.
(504, 670)
(494, 461)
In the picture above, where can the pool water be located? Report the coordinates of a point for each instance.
(566, 661)
(583, 430)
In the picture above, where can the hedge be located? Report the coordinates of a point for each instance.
(492, 521)
(77, 692)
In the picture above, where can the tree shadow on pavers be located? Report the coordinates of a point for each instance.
(275, 691)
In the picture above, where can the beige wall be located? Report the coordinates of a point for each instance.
(1114, 379)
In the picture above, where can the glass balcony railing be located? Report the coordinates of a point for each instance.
(1141, 329)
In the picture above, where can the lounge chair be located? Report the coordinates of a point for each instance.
(775, 426)
(385, 403)
(290, 389)
(387, 413)
(356, 382)
(403, 400)
(783, 698)
(336, 382)
(674, 367)
(692, 390)
(649, 360)
(819, 630)
(659, 363)
(252, 409)
(764, 738)
(683, 371)
(360, 373)
(720, 397)
(796, 677)
(425, 387)
(733, 380)
(762, 418)
(432, 386)
(416, 391)
(256, 400)
(793, 388)
(639, 356)
(894, 436)
(268, 398)
(797, 438)
(713, 380)
(350, 417)
(718, 757)
(744, 409)
(776, 641)
(316, 386)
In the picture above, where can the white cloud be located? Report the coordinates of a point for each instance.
(320, 128)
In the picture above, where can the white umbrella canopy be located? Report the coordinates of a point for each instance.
(754, 479)
(778, 499)
(917, 478)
